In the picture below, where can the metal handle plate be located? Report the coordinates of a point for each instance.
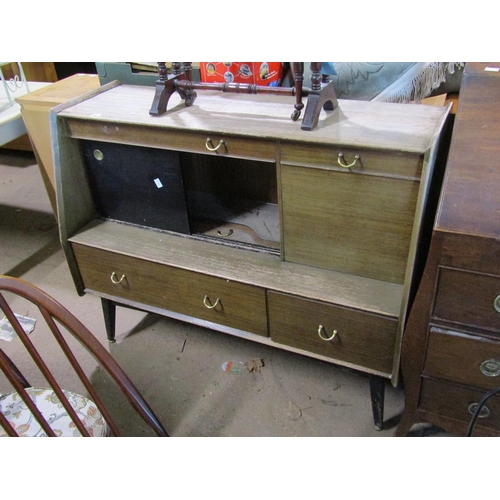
(98, 155)
(496, 303)
(485, 411)
(490, 367)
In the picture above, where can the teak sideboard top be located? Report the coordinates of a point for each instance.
(396, 127)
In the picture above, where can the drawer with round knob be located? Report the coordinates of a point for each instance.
(463, 358)
(346, 335)
(459, 402)
(201, 296)
(468, 298)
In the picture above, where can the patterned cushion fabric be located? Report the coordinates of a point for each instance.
(21, 419)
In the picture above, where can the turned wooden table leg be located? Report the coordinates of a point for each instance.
(298, 76)
(188, 70)
(176, 68)
(377, 393)
(109, 313)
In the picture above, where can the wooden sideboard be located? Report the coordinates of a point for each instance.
(227, 214)
(451, 349)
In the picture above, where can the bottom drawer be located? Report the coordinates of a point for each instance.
(458, 402)
(191, 293)
(362, 339)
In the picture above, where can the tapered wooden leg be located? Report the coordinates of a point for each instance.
(377, 393)
(109, 312)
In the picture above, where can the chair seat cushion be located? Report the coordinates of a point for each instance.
(26, 425)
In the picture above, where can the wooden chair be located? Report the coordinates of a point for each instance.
(53, 411)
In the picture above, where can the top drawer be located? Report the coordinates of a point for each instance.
(194, 142)
(353, 160)
(468, 298)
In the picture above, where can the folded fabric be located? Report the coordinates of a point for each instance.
(385, 81)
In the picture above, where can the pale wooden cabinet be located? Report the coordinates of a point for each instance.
(226, 213)
(35, 108)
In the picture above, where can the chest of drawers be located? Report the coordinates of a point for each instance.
(451, 345)
(227, 214)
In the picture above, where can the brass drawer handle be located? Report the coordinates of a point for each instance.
(208, 304)
(115, 279)
(490, 367)
(496, 304)
(229, 233)
(484, 412)
(210, 146)
(341, 156)
(322, 333)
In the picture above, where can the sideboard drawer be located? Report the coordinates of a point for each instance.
(362, 160)
(223, 145)
(468, 298)
(463, 358)
(362, 339)
(458, 402)
(197, 295)
(178, 140)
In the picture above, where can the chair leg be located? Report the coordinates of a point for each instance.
(377, 393)
(109, 312)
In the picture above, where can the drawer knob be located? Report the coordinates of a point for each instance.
(208, 304)
(211, 147)
(115, 279)
(490, 368)
(323, 335)
(496, 303)
(343, 164)
(484, 412)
